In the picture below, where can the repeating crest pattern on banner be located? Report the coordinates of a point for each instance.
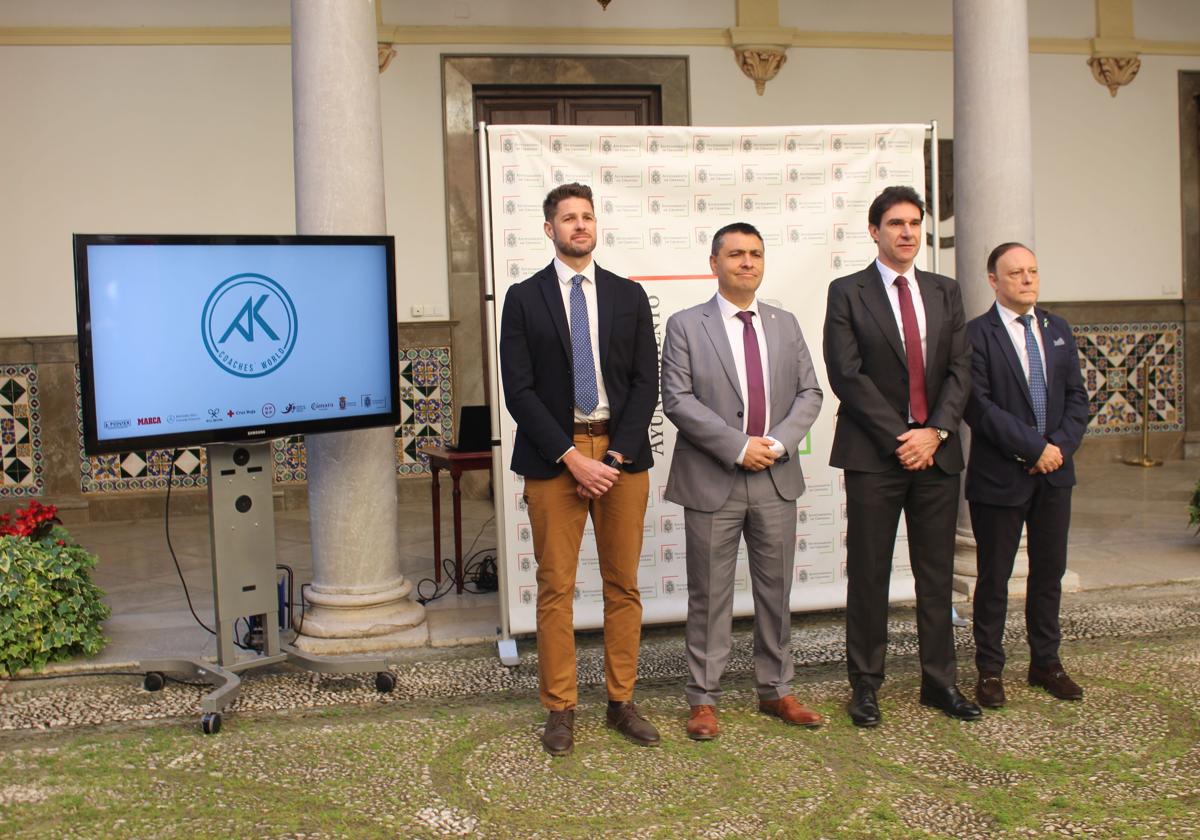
(660, 194)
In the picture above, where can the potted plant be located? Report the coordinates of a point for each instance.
(49, 608)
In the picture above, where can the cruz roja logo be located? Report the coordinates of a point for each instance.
(249, 325)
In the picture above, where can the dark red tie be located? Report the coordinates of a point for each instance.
(917, 406)
(756, 400)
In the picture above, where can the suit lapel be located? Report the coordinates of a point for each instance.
(1048, 339)
(772, 335)
(1003, 338)
(604, 311)
(547, 280)
(714, 325)
(876, 301)
(935, 316)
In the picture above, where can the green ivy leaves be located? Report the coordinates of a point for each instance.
(49, 608)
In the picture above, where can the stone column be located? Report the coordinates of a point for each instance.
(358, 599)
(993, 178)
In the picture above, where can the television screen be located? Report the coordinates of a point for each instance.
(189, 340)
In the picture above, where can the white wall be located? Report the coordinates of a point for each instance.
(198, 139)
(137, 140)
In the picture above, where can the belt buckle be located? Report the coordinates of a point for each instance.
(588, 424)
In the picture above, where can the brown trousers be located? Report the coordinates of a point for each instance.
(557, 516)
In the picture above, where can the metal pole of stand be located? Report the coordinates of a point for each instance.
(242, 532)
(1145, 460)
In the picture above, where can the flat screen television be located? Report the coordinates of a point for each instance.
(191, 340)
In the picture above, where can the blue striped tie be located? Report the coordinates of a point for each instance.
(1037, 379)
(587, 395)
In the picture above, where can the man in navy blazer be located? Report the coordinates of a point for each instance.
(1028, 411)
(579, 365)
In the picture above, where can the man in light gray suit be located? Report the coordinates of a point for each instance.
(738, 383)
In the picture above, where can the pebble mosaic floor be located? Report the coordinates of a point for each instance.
(453, 751)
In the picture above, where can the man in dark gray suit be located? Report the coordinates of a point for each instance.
(897, 356)
(738, 383)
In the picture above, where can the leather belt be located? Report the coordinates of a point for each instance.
(592, 428)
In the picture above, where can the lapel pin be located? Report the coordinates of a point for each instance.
(1046, 322)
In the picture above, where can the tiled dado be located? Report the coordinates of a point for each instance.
(426, 416)
(21, 454)
(1112, 358)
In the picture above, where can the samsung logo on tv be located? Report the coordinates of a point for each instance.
(117, 424)
(149, 421)
(256, 432)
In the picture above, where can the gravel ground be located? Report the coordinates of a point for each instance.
(453, 750)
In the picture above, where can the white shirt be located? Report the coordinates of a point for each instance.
(565, 275)
(1016, 331)
(734, 330)
(893, 294)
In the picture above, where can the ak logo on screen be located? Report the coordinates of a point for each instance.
(249, 325)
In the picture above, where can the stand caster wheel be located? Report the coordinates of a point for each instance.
(210, 723)
(385, 681)
(154, 681)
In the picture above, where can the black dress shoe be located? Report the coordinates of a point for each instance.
(559, 737)
(950, 701)
(989, 690)
(1055, 680)
(864, 706)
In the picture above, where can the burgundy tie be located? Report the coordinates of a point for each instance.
(917, 406)
(756, 408)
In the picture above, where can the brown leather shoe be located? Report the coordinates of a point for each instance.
(559, 737)
(627, 720)
(702, 723)
(790, 710)
(989, 690)
(1055, 680)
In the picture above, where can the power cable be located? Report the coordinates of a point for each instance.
(478, 576)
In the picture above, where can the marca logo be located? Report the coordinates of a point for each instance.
(149, 421)
(249, 325)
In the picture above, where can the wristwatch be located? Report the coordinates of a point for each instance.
(611, 460)
(942, 434)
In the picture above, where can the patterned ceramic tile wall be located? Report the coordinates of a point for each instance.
(426, 398)
(426, 401)
(20, 432)
(1111, 359)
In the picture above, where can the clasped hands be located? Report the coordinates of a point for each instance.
(1050, 460)
(592, 478)
(759, 454)
(917, 447)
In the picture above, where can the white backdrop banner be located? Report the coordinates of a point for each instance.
(660, 193)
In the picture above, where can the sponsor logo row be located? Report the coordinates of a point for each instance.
(266, 411)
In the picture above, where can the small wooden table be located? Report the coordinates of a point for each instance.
(441, 458)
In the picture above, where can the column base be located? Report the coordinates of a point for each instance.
(413, 637)
(360, 622)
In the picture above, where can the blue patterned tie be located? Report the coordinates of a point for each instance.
(586, 393)
(1037, 379)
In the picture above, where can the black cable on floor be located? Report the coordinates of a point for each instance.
(478, 576)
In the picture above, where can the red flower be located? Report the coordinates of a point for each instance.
(33, 522)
